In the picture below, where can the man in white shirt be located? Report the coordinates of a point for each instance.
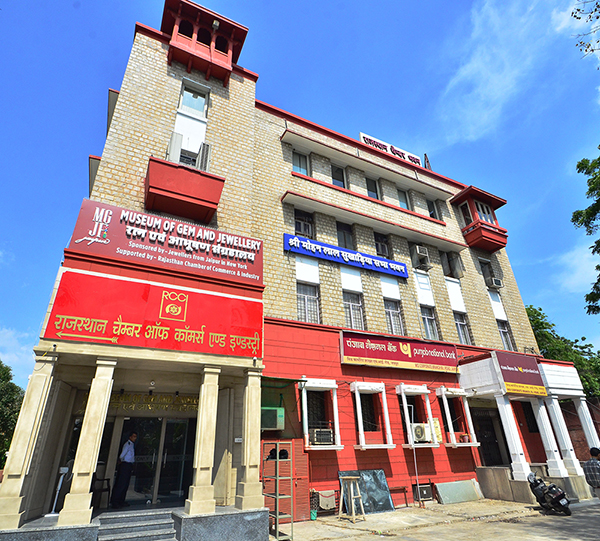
(125, 468)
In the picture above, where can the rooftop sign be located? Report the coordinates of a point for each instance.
(146, 239)
(389, 149)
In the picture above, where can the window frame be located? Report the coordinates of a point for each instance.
(377, 190)
(389, 319)
(444, 393)
(382, 241)
(366, 387)
(464, 325)
(432, 209)
(506, 335)
(336, 181)
(404, 390)
(485, 213)
(306, 218)
(305, 302)
(323, 385)
(432, 317)
(347, 233)
(406, 203)
(194, 88)
(297, 169)
(350, 311)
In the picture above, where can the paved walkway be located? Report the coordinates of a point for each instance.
(454, 521)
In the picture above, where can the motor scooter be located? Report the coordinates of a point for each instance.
(550, 497)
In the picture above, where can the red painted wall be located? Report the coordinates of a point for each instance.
(294, 350)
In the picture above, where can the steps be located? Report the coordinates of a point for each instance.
(144, 525)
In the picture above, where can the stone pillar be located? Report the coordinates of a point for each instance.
(562, 435)
(249, 493)
(589, 429)
(77, 508)
(556, 467)
(519, 465)
(201, 497)
(12, 497)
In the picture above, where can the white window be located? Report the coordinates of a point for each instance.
(353, 310)
(373, 189)
(418, 434)
(432, 209)
(403, 200)
(485, 212)
(505, 335)
(393, 316)
(300, 163)
(424, 291)
(497, 306)
(193, 101)
(337, 176)
(429, 324)
(466, 437)
(462, 327)
(304, 224)
(369, 417)
(320, 418)
(308, 303)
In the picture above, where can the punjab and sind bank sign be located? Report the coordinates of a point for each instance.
(395, 353)
(520, 373)
(125, 312)
(145, 239)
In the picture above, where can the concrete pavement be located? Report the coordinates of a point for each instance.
(490, 519)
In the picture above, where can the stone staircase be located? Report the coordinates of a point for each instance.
(144, 525)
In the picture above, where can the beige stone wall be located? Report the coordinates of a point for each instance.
(246, 149)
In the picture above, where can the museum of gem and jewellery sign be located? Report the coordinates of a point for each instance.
(320, 250)
(398, 353)
(520, 373)
(145, 239)
(126, 312)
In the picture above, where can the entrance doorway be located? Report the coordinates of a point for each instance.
(488, 428)
(164, 452)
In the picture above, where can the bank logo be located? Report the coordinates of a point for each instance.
(405, 348)
(173, 306)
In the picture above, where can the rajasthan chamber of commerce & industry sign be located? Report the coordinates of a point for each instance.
(396, 353)
(145, 239)
(128, 312)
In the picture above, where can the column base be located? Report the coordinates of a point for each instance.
(520, 470)
(11, 514)
(573, 466)
(249, 496)
(76, 510)
(556, 468)
(201, 500)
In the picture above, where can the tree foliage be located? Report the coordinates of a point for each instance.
(11, 397)
(554, 346)
(588, 11)
(589, 219)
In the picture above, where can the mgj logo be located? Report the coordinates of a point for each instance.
(99, 232)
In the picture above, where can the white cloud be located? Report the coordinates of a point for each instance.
(506, 45)
(16, 351)
(577, 270)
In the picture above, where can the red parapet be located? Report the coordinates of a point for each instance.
(182, 191)
(485, 236)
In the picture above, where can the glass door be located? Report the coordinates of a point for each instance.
(176, 460)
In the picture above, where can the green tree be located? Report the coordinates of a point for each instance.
(588, 218)
(588, 11)
(554, 346)
(11, 397)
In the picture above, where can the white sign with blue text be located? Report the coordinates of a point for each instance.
(320, 250)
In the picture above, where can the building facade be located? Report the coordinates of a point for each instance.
(240, 276)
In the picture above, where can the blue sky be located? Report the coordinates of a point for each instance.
(494, 91)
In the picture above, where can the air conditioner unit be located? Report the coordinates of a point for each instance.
(421, 432)
(422, 251)
(494, 283)
(420, 257)
(320, 436)
(272, 418)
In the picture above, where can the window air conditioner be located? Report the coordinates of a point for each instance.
(320, 436)
(422, 251)
(272, 418)
(420, 257)
(494, 283)
(421, 432)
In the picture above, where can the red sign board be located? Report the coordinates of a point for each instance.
(521, 374)
(107, 310)
(145, 239)
(395, 353)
